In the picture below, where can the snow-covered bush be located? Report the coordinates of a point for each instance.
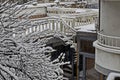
(21, 58)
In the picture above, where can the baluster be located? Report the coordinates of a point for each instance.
(46, 27)
(87, 20)
(32, 29)
(57, 26)
(82, 21)
(42, 27)
(69, 23)
(49, 24)
(39, 27)
(105, 41)
(112, 41)
(100, 39)
(73, 23)
(116, 40)
(35, 28)
(23, 34)
(13, 34)
(53, 25)
(108, 41)
(91, 19)
(28, 30)
(78, 22)
(61, 26)
(63, 29)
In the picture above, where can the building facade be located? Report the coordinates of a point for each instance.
(107, 46)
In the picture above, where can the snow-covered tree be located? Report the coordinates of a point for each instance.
(22, 57)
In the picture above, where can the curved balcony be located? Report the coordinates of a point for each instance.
(108, 41)
(107, 53)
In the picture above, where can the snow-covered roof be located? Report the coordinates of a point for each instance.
(57, 1)
(80, 10)
(86, 10)
(96, 10)
(87, 28)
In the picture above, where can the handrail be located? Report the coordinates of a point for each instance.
(109, 41)
(68, 26)
(53, 24)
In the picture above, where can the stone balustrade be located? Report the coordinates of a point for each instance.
(109, 41)
(81, 20)
(64, 25)
(72, 17)
(53, 24)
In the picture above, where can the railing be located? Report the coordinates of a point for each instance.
(84, 20)
(53, 24)
(54, 10)
(70, 11)
(64, 25)
(86, 16)
(80, 20)
(109, 41)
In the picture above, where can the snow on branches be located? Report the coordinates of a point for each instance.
(24, 58)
